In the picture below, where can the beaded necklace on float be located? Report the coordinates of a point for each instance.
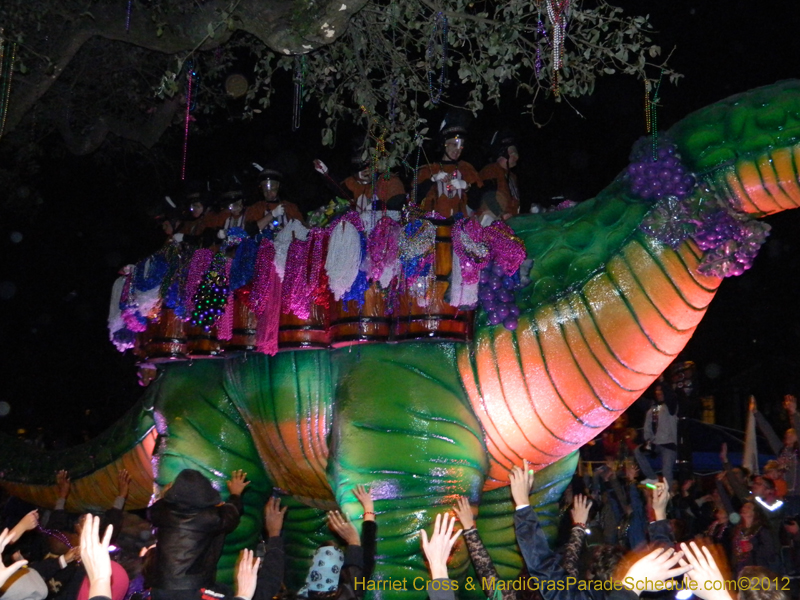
(438, 38)
(8, 54)
(418, 140)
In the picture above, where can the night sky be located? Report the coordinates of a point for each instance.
(93, 216)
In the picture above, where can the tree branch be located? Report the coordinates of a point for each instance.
(146, 131)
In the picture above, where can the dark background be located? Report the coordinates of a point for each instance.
(61, 373)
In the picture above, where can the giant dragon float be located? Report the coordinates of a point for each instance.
(610, 292)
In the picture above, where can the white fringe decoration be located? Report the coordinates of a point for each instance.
(462, 294)
(293, 230)
(344, 258)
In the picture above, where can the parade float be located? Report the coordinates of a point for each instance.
(430, 355)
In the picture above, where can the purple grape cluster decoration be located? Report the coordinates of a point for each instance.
(659, 176)
(730, 244)
(496, 296)
(669, 221)
(729, 240)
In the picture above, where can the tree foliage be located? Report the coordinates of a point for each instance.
(83, 72)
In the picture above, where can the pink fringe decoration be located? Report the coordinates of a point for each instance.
(304, 268)
(201, 261)
(505, 248)
(468, 244)
(383, 245)
(270, 317)
(262, 291)
(294, 277)
(225, 324)
(264, 299)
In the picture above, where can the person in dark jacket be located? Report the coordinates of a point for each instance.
(754, 544)
(99, 572)
(191, 524)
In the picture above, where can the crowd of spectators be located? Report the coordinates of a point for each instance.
(616, 527)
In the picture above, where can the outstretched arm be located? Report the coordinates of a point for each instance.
(484, 567)
(572, 549)
(25, 524)
(769, 433)
(369, 531)
(705, 572)
(94, 553)
(660, 530)
(59, 518)
(270, 574)
(437, 550)
(247, 575)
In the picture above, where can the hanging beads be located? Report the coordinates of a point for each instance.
(439, 34)
(651, 115)
(557, 12)
(128, 16)
(299, 80)
(190, 76)
(542, 31)
(8, 54)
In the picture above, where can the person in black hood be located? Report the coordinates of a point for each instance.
(191, 524)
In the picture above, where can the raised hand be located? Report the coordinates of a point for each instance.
(521, 480)
(94, 555)
(123, 483)
(343, 528)
(705, 572)
(247, 574)
(463, 511)
(237, 482)
(63, 483)
(26, 523)
(273, 516)
(72, 554)
(8, 571)
(660, 500)
(364, 496)
(580, 509)
(659, 565)
(437, 549)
